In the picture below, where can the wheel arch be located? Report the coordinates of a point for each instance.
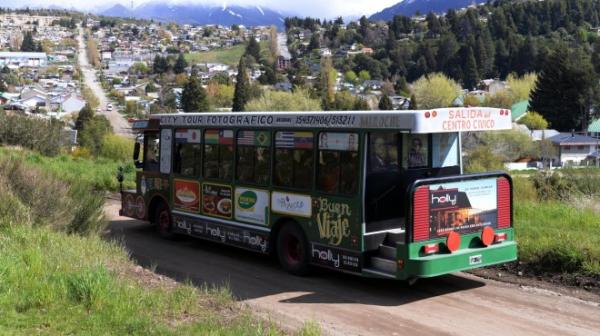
(155, 201)
(275, 231)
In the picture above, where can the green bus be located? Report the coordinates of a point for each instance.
(374, 193)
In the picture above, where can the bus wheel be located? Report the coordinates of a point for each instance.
(292, 249)
(164, 222)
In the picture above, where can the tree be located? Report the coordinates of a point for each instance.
(385, 104)
(534, 121)
(564, 89)
(435, 90)
(350, 77)
(315, 42)
(85, 115)
(299, 100)
(131, 108)
(241, 94)
(193, 97)
(253, 48)
(180, 64)
(328, 77)
(520, 87)
(471, 74)
(364, 75)
(28, 44)
(160, 65)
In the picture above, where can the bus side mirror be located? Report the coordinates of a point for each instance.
(136, 155)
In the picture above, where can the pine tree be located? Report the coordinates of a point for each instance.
(160, 65)
(564, 89)
(413, 103)
(86, 114)
(193, 97)
(28, 44)
(241, 94)
(180, 65)
(471, 74)
(315, 42)
(385, 104)
(253, 49)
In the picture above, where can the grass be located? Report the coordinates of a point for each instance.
(229, 56)
(556, 236)
(100, 173)
(67, 284)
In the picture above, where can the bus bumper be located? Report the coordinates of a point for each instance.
(461, 260)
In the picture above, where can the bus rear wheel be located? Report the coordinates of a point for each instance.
(292, 249)
(164, 222)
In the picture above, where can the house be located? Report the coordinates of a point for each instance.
(69, 104)
(573, 149)
(24, 59)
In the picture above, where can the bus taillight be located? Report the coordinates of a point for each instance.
(504, 213)
(421, 214)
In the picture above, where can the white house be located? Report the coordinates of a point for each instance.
(24, 59)
(573, 149)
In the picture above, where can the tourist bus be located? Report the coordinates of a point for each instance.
(374, 193)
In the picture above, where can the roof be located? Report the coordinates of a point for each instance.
(443, 120)
(573, 139)
(19, 54)
(538, 135)
(594, 126)
(519, 109)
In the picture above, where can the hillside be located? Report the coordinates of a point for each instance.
(411, 7)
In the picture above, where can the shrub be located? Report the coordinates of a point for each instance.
(44, 136)
(117, 148)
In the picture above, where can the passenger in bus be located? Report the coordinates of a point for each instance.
(416, 157)
(379, 157)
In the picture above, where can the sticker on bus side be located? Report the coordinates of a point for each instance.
(252, 205)
(249, 239)
(291, 204)
(186, 195)
(335, 258)
(216, 200)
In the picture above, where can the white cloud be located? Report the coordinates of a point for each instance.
(315, 8)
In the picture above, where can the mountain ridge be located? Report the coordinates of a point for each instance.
(411, 7)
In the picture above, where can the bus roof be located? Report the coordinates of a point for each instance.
(441, 120)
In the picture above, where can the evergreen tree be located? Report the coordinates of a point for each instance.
(315, 42)
(564, 89)
(241, 94)
(28, 45)
(471, 74)
(385, 104)
(180, 64)
(193, 97)
(413, 103)
(253, 49)
(85, 115)
(160, 65)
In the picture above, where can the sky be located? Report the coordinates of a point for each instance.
(315, 8)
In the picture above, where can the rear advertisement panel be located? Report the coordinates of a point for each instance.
(462, 207)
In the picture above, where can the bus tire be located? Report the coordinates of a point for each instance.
(292, 249)
(164, 221)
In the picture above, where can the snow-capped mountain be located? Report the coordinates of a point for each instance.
(201, 14)
(411, 7)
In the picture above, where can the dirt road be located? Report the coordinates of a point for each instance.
(118, 122)
(459, 304)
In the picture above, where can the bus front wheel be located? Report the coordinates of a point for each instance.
(292, 249)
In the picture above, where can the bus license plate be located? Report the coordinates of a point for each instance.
(474, 260)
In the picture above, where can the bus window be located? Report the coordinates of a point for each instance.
(415, 151)
(253, 157)
(151, 151)
(338, 163)
(218, 154)
(188, 152)
(293, 159)
(383, 152)
(444, 150)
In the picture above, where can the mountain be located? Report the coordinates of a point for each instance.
(201, 14)
(411, 7)
(119, 11)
